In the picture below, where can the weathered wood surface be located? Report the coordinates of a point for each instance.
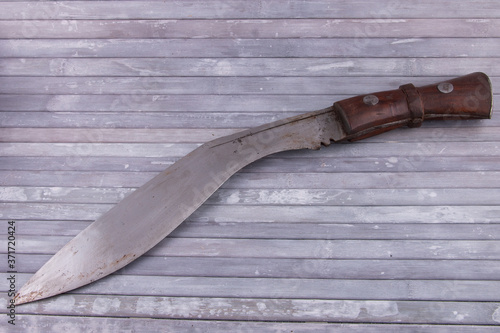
(161, 67)
(251, 48)
(400, 232)
(33, 323)
(52, 27)
(170, 103)
(220, 9)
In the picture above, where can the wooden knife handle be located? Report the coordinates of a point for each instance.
(465, 97)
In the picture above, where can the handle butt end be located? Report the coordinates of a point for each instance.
(466, 97)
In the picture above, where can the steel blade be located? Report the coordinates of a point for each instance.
(149, 214)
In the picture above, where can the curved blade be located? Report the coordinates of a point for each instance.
(150, 213)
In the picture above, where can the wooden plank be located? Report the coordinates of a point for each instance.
(431, 197)
(169, 103)
(141, 164)
(297, 230)
(109, 135)
(298, 268)
(63, 194)
(165, 103)
(366, 214)
(263, 180)
(159, 120)
(82, 179)
(301, 288)
(137, 120)
(322, 164)
(224, 48)
(321, 214)
(303, 249)
(239, 9)
(278, 164)
(250, 28)
(275, 289)
(212, 85)
(33, 323)
(99, 149)
(263, 197)
(245, 66)
(365, 180)
(162, 150)
(383, 311)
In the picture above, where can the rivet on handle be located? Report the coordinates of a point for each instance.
(370, 100)
(445, 87)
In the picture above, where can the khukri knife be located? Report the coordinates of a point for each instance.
(150, 213)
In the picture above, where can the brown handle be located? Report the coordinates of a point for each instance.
(465, 97)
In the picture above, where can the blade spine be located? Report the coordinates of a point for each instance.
(264, 127)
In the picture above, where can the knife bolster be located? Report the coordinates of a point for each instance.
(465, 97)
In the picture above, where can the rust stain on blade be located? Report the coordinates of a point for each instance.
(32, 296)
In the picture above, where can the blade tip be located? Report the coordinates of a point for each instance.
(23, 298)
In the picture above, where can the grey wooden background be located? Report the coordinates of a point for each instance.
(397, 232)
